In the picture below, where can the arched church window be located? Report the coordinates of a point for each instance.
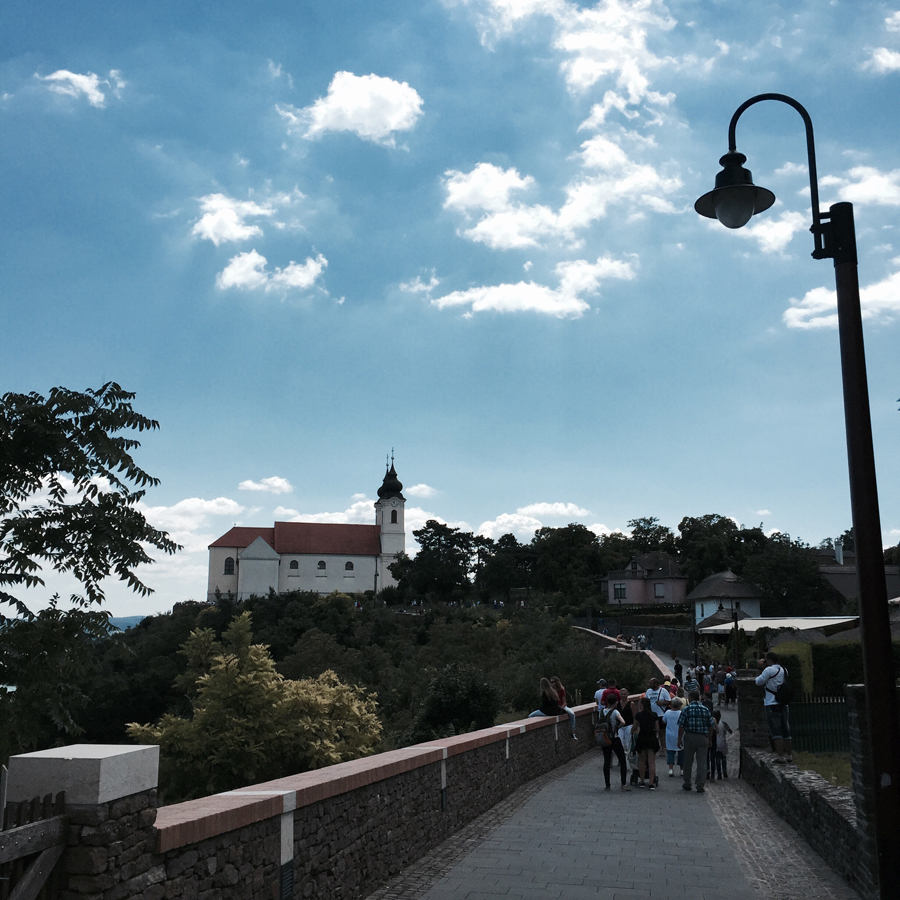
(294, 565)
(229, 565)
(393, 517)
(348, 567)
(320, 565)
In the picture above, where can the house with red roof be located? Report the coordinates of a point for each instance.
(312, 556)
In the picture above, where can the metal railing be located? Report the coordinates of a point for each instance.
(819, 724)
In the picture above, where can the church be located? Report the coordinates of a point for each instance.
(312, 556)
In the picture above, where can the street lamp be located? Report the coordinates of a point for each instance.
(733, 201)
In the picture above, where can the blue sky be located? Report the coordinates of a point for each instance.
(307, 233)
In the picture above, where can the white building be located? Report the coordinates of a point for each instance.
(312, 556)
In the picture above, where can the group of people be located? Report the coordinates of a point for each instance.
(664, 718)
(711, 680)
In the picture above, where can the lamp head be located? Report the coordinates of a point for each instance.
(735, 197)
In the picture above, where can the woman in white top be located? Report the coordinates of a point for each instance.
(673, 754)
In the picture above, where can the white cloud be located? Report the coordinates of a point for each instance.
(417, 286)
(883, 61)
(576, 277)
(880, 302)
(519, 524)
(247, 271)
(867, 185)
(187, 520)
(507, 224)
(600, 529)
(521, 297)
(421, 490)
(272, 485)
(224, 218)
(369, 106)
(773, 235)
(553, 509)
(89, 86)
(892, 22)
(761, 512)
(486, 188)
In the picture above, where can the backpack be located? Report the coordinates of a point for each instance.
(782, 693)
(603, 733)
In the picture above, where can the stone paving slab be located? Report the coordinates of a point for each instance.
(566, 837)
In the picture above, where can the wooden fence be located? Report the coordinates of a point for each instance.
(820, 724)
(32, 839)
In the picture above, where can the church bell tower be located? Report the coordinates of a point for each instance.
(389, 517)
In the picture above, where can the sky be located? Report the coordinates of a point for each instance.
(308, 235)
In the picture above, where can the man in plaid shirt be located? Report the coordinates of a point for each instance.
(695, 730)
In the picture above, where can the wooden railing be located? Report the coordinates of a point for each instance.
(32, 839)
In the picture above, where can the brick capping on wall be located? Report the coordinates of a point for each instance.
(195, 820)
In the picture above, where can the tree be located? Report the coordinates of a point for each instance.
(505, 569)
(647, 535)
(567, 560)
(459, 699)
(50, 660)
(250, 724)
(69, 490)
(442, 565)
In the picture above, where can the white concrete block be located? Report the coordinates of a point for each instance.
(89, 773)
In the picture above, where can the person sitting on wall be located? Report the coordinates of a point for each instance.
(550, 705)
(772, 677)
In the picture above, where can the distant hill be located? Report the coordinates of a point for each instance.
(123, 623)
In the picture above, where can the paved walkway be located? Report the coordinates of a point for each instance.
(566, 837)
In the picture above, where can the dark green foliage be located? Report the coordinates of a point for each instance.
(459, 699)
(67, 492)
(837, 663)
(567, 562)
(50, 659)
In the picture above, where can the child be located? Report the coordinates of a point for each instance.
(723, 729)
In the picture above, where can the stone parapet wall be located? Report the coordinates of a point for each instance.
(338, 832)
(823, 814)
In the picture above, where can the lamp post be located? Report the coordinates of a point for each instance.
(733, 201)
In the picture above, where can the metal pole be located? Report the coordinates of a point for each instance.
(875, 629)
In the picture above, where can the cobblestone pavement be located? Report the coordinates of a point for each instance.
(564, 836)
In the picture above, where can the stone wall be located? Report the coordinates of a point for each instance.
(338, 832)
(834, 821)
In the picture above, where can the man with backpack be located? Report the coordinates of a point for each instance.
(774, 679)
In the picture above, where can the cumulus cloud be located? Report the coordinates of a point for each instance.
(188, 520)
(576, 277)
(272, 485)
(421, 490)
(880, 302)
(248, 271)
(867, 185)
(360, 512)
(522, 297)
(883, 61)
(370, 106)
(89, 85)
(773, 235)
(553, 509)
(505, 223)
(224, 219)
(892, 22)
(417, 286)
(519, 524)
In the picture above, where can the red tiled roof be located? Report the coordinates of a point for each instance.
(309, 537)
(243, 537)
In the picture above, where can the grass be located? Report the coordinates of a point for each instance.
(833, 767)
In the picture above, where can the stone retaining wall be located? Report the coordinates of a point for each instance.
(338, 832)
(835, 821)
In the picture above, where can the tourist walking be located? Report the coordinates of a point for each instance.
(646, 738)
(723, 729)
(614, 721)
(674, 756)
(695, 728)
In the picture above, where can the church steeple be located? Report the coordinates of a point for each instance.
(389, 515)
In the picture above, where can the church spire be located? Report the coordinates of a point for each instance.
(391, 486)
